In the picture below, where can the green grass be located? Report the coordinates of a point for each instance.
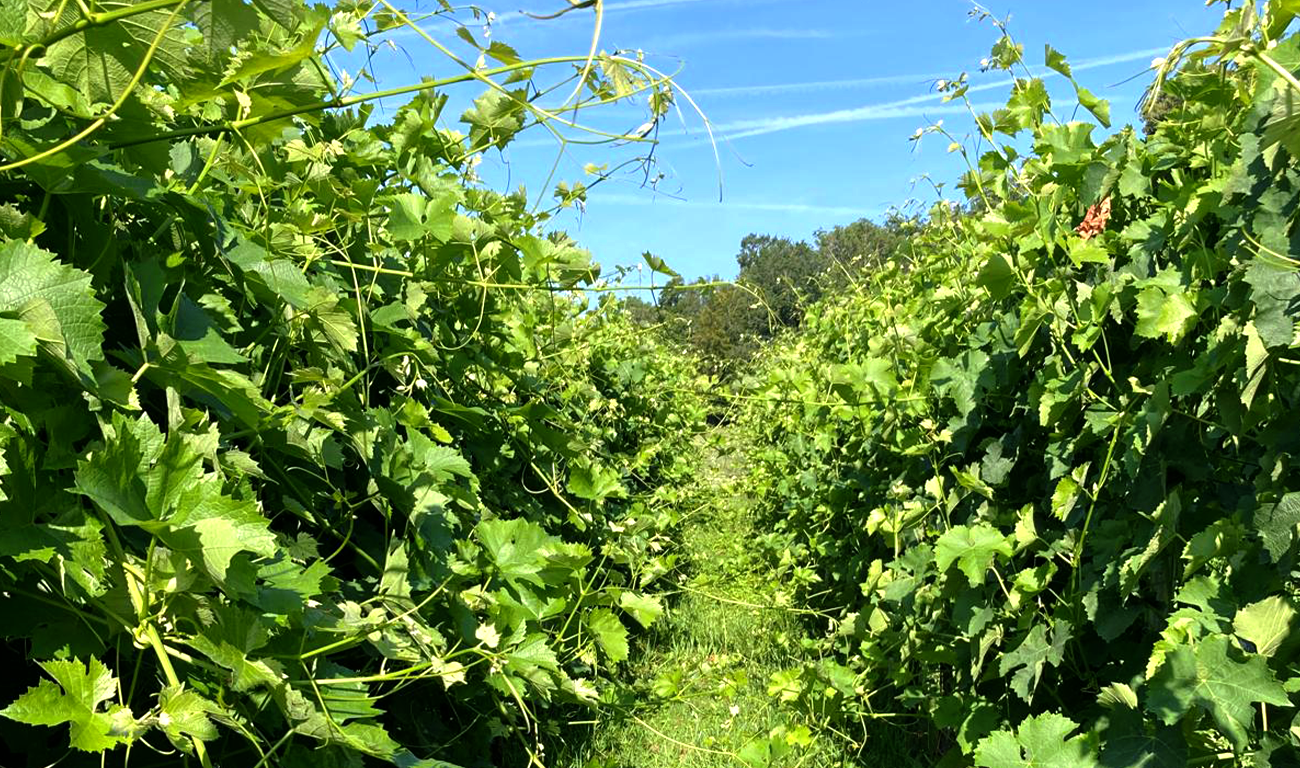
(701, 677)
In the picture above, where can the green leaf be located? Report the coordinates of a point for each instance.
(184, 715)
(610, 634)
(55, 301)
(1088, 252)
(1277, 525)
(195, 332)
(1066, 495)
(1134, 181)
(13, 22)
(494, 119)
(1208, 677)
(973, 549)
(1118, 695)
(16, 224)
(1100, 108)
(756, 753)
(1055, 60)
(229, 637)
(16, 340)
(514, 547)
(279, 278)
(333, 321)
(1275, 292)
(502, 53)
(1266, 624)
(646, 609)
(1033, 653)
(1028, 103)
(1130, 743)
(878, 373)
(1042, 741)
(997, 276)
(101, 61)
(75, 700)
(1069, 144)
(406, 217)
(113, 476)
(596, 483)
(280, 60)
(531, 655)
(1166, 520)
(225, 24)
(442, 462)
(657, 264)
(213, 528)
(1159, 313)
(282, 12)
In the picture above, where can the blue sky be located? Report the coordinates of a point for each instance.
(815, 101)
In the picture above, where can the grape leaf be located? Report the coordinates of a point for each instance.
(657, 264)
(1033, 653)
(225, 24)
(55, 301)
(1210, 678)
(1055, 60)
(514, 547)
(1166, 520)
(1266, 624)
(1129, 743)
(16, 340)
(1159, 313)
(1099, 107)
(494, 119)
(229, 636)
(1276, 524)
(646, 609)
(438, 460)
(595, 483)
(1275, 292)
(610, 634)
(973, 548)
(112, 476)
(101, 60)
(75, 700)
(997, 276)
(277, 278)
(184, 715)
(222, 528)
(1039, 742)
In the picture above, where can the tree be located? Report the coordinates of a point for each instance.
(783, 273)
(852, 250)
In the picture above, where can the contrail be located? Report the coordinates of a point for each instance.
(915, 106)
(814, 85)
(625, 5)
(622, 199)
(668, 43)
(740, 129)
(512, 16)
(866, 82)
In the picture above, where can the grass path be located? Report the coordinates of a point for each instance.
(701, 676)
